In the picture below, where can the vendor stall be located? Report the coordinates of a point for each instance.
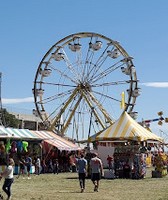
(15, 143)
(130, 143)
(55, 147)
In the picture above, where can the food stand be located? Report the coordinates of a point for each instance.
(131, 143)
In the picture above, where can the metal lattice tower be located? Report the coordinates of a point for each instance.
(2, 119)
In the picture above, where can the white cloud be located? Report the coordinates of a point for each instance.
(15, 101)
(156, 84)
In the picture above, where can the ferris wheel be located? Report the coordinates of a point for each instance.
(79, 82)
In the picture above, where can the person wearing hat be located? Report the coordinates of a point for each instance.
(96, 171)
(8, 176)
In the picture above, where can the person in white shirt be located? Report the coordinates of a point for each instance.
(8, 175)
(38, 165)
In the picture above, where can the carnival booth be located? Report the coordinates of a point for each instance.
(130, 144)
(57, 148)
(46, 145)
(16, 143)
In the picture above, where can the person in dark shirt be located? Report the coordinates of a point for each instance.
(28, 162)
(22, 167)
(126, 170)
(82, 165)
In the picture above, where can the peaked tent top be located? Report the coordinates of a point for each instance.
(126, 128)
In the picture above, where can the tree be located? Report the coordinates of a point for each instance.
(9, 120)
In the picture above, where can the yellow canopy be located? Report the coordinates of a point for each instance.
(126, 128)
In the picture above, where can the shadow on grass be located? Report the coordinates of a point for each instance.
(71, 178)
(67, 191)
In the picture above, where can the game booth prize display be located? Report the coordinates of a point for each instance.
(129, 162)
(160, 163)
(16, 149)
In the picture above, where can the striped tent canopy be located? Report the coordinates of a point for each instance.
(16, 133)
(57, 141)
(126, 128)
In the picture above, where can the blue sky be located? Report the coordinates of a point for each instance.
(30, 28)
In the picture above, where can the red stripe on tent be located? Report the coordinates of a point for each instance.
(57, 141)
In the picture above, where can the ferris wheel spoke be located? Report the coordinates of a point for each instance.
(55, 84)
(96, 67)
(109, 97)
(106, 72)
(111, 83)
(88, 64)
(63, 74)
(55, 97)
(73, 71)
(79, 65)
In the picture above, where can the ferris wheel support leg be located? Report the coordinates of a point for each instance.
(63, 109)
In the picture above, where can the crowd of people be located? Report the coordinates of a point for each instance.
(86, 165)
(81, 166)
(25, 164)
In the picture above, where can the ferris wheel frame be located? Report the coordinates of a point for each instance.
(83, 89)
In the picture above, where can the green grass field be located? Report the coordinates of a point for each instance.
(65, 186)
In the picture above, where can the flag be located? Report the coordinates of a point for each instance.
(122, 103)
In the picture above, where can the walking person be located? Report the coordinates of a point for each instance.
(8, 175)
(96, 167)
(82, 165)
(21, 167)
(28, 162)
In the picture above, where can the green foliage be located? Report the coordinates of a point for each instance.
(9, 119)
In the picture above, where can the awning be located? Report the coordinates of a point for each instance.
(57, 141)
(16, 133)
